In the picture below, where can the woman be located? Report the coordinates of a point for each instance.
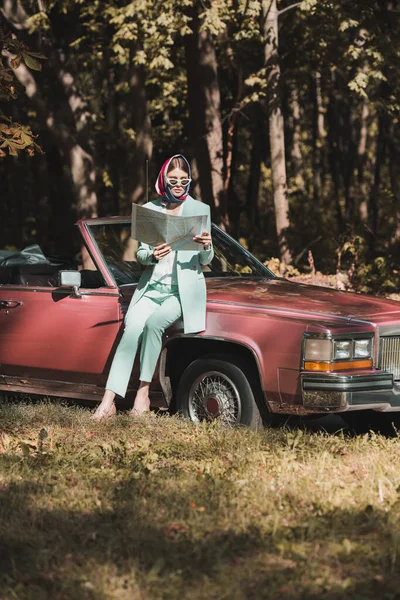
(172, 286)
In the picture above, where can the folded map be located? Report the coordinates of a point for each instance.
(153, 228)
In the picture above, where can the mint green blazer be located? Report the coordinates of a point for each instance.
(191, 283)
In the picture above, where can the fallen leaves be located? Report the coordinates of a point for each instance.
(175, 530)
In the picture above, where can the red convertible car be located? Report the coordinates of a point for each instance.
(271, 346)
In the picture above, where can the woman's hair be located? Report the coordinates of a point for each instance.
(177, 163)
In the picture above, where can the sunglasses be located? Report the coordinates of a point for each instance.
(173, 182)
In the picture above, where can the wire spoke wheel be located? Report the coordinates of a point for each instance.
(212, 388)
(214, 395)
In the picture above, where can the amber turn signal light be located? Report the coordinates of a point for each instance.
(317, 366)
(338, 366)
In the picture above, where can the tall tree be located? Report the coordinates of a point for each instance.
(66, 116)
(276, 128)
(141, 123)
(204, 103)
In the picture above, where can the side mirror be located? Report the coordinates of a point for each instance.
(70, 279)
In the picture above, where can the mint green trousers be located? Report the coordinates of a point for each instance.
(145, 323)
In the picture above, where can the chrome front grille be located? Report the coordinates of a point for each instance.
(389, 355)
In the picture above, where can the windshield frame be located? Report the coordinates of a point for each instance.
(102, 263)
(268, 273)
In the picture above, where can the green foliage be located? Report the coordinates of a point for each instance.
(378, 276)
(15, 137)
(20, 52)
(8, 84)
(106, 48)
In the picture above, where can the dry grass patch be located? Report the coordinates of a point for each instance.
(162, 508)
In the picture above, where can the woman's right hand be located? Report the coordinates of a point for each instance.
(161, 250)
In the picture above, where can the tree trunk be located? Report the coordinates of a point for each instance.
(81, 160)
(142, 126)
(361, 159)
(69, 122)
(348, 159)
(230, 138)
(60, 230)
(253, 184)
(114, 154)
(373, 206)
(204, 116)
(394, 171)
(2, 37)
(276, 129)
(296, 153)
(333, 151)
(318, 138)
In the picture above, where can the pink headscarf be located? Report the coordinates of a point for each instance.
(162, 187)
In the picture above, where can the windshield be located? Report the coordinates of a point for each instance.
(119, 252)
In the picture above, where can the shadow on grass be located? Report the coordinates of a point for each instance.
(353, 424)
(46, 553)
(356, 423)
(329, 424)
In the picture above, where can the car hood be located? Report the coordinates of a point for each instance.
(297, 297)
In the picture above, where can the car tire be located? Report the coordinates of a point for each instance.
(212, 388)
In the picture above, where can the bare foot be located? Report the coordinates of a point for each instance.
(140, 406)
(104, 411)
(138, 413)
(142, 401)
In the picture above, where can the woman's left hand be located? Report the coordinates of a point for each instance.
(204, 238)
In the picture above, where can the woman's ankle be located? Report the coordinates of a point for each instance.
(142, 401)
(108, 398)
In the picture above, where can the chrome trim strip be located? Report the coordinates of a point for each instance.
(347, 387)
(389, 330)
(64, 292)
(349, 320)
(16, 379)
(378, 407)
(384, 378)
(104, 221)
(340, 336)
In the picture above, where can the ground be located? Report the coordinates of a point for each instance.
(163, 508)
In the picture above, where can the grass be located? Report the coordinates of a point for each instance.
(161, 508)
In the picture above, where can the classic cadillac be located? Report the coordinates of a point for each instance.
(271, 347)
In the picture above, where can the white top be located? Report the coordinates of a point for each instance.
(165, 270)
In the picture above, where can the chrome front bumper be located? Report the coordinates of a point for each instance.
(338, 393)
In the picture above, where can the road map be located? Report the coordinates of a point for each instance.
(153, 228)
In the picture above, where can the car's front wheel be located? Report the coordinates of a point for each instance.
(212, 388)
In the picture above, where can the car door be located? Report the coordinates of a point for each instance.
(51, 333)
(48, 333)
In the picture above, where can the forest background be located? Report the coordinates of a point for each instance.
(294, 139)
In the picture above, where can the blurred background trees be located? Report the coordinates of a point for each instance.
(294, 138)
